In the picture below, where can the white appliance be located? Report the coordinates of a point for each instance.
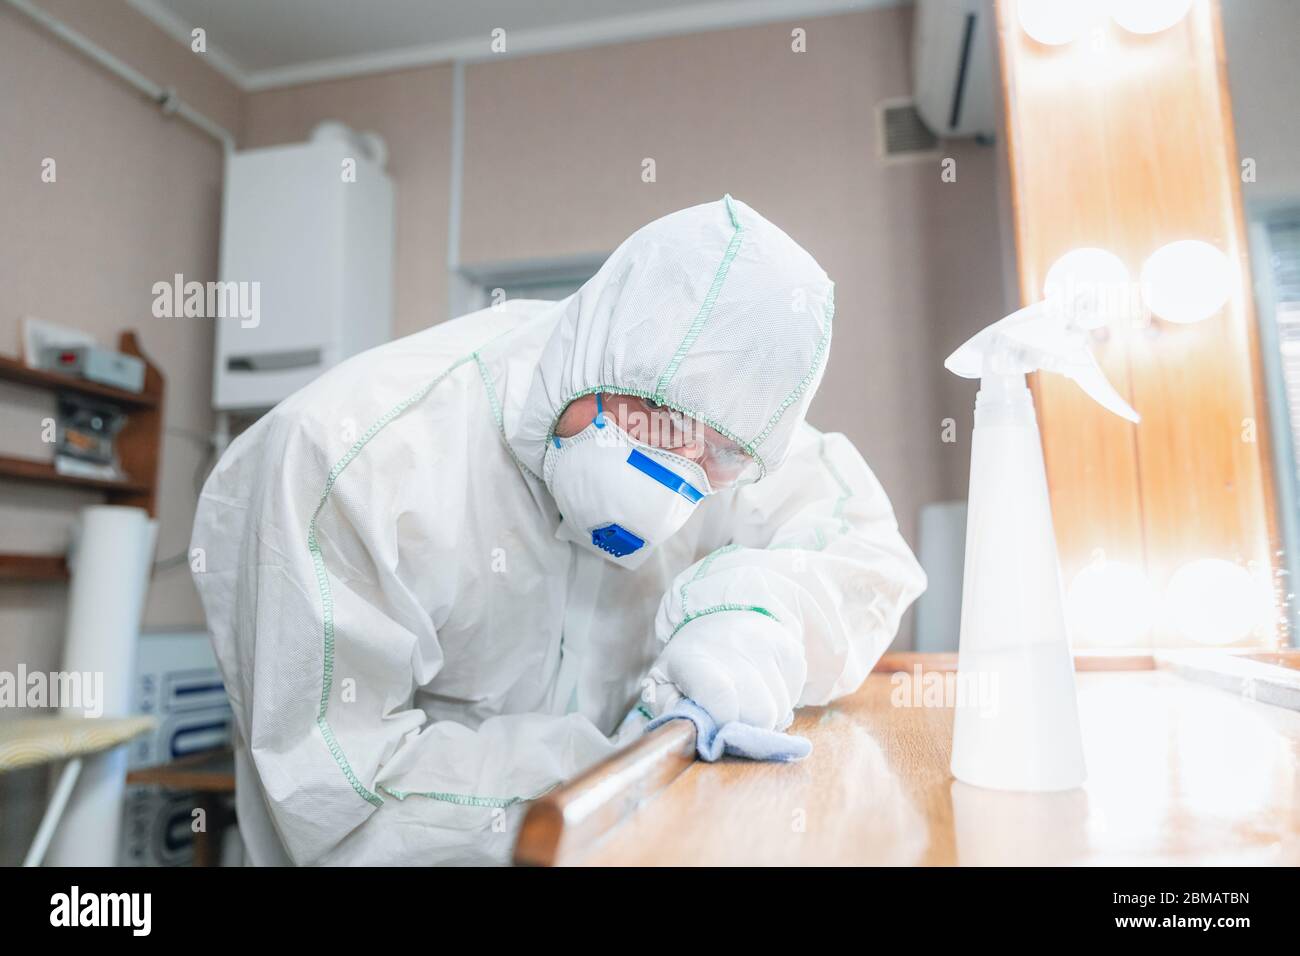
(311, 224)
(177, 681)
(952, 66)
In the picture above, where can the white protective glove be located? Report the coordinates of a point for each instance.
(738, 665)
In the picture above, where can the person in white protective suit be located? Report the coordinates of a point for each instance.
(445, 576)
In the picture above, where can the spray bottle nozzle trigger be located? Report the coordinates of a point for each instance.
(1037, 338)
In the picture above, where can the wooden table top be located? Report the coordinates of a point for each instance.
(1179, 773)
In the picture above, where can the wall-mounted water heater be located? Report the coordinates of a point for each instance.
(306, 264)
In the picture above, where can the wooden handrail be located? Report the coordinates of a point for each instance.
(571, 819)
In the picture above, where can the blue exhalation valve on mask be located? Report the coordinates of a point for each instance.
(615, 540)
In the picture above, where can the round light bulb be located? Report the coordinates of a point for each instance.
(1054, 22)
(1110, 604)
(1186, 281)
(1212, 601)
(1091, 286)
(1148, 16)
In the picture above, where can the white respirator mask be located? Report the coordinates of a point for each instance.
(617, 496)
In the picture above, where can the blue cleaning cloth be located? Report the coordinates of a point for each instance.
(735, 739)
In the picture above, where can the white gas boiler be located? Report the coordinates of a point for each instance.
(306, 264)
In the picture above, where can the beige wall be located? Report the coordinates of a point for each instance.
(553, 158)
(137, 199)
(411, 109)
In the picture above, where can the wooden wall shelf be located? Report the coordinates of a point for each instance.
(33, 567)
(13, 370)
(24, 469)
(139, 446)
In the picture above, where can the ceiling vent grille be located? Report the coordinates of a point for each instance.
(902, 135)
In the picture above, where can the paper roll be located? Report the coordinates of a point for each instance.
(111, 559)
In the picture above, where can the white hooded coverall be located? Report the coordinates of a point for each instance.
(410, 650)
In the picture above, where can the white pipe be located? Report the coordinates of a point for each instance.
(457, 163)
(164, 97)
(462, 295)
(54, 812)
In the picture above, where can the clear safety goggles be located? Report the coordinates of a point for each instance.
(724, 461)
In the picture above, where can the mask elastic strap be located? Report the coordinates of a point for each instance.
(598, 421)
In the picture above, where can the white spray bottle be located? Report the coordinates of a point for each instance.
(1017, 720)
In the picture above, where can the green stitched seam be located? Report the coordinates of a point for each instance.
(644, 711)
(497, 414)
(327, 594)
(704, 567)
(718, 427)
(819, 358)
(717, 608)
(464, 800)
(706, 307)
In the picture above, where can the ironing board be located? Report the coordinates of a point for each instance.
(34, 741)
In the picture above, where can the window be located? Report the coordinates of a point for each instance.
(1276, 252)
